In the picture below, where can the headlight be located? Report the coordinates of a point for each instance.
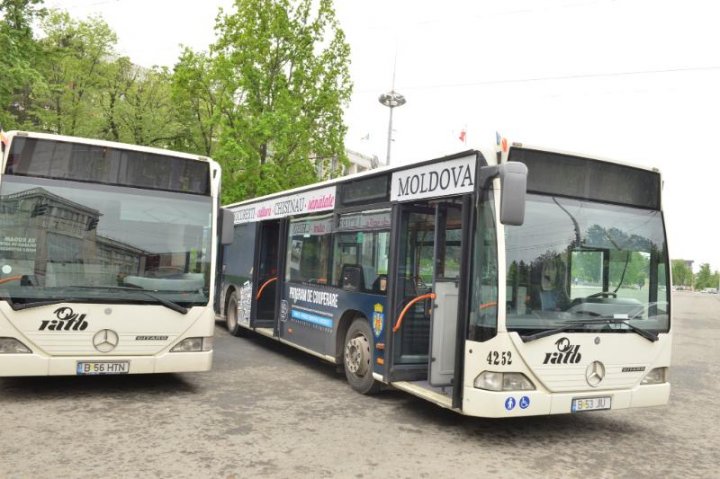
(493, 381)
(13, 346)
(193, 345)
(656, 376)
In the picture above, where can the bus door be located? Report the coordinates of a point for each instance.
(267, 273)
(446, 287)
(413, 279)
(426, 289)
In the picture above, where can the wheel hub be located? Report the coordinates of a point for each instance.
(357, 355)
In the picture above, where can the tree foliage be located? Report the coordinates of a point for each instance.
(74, 64)
(705, 278)
(682, 274)
(277, 79)
(18, 74)
(195, 93)
(266, 99)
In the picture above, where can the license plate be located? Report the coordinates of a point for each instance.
(95, 368)
(591, 404)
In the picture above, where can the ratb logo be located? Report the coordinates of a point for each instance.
(67, 320)
(566, 353)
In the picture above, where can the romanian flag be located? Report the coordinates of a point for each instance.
(3, 137)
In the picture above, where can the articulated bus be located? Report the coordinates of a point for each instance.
(525, 282)
(106, 257)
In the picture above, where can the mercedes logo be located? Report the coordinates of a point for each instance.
(595, 373)
(105, 340)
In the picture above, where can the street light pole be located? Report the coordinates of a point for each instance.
(391, 99)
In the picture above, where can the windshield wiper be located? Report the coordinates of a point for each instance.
(166, 302)
(36, 304)
(163, 301)
(550, 332)
(650, 336)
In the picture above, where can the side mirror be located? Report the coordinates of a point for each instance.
(513, 184)
(227, 227)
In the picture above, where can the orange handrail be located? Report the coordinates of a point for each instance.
(11, 278)
(398, 323)
(260, 291)
(488, 305)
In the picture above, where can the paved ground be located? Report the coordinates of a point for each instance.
(268, 411)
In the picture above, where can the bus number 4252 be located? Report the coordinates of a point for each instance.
(496, 358)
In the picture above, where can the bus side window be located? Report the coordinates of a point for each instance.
(309, 251)
(360, 260)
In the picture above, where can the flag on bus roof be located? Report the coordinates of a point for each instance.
(463, 136)
(3, 137)
(501, 142)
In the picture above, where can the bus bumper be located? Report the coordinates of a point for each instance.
(38, 365)
(481, 403)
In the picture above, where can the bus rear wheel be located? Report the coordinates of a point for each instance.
(357, 357)
(231, 319)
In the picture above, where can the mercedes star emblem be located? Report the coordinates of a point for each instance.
(105, 340)
(595, 373)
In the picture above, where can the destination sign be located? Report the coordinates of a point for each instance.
(452, 177)
(322, 199)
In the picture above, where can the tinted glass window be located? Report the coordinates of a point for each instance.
(565, 175)
(362, 191)
(483, 313)
(102, 243)
(112, 166)
(309, 249)
(238, 256)
(367, 253)
(573, 260)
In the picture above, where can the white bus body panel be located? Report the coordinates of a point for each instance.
(146, 334)
(627, 358)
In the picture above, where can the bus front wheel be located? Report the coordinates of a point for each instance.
(357, 357)
(231, 319)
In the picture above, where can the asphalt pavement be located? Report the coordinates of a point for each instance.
(267, 410)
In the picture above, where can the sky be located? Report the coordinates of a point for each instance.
(636, 81)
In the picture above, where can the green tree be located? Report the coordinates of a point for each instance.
(681, 273)
(76, 57)
(147, 115)
(195, 94)
(120, 77)
(18, 74)
(705, 278)
(281, 72)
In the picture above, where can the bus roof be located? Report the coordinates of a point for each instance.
(489, 154)
(355, 176)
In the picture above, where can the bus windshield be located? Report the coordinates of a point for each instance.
(588, 265)
(85, 242)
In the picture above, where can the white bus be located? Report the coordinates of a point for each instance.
(531, 282)
(106, 257)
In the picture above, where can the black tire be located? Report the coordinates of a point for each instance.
(231, 316)
(357, 357)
